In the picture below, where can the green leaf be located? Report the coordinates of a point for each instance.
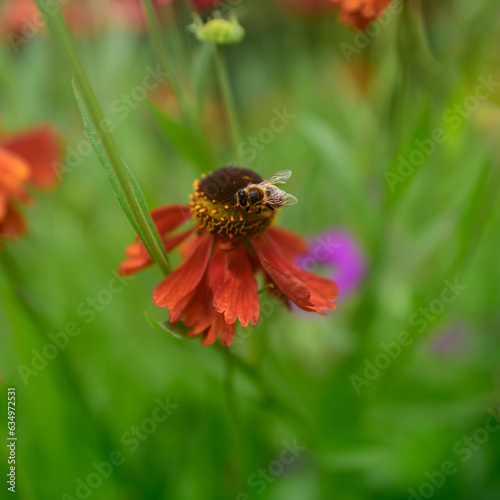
(103, 159)
(178, 331)
(138, 218)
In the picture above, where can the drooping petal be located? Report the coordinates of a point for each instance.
(177, 285)
(40, 148)
(237, 296)
(219, 326)
(323, 290)
(275, 265)
(291, 244)
(307, 291)
(217, 268)
(198, 312)
(227, 333)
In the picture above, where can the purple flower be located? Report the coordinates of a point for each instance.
(450, 340)
(339, 253)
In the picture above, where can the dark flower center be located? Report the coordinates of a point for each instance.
(215, 207)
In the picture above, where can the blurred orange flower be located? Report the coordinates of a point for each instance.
(360, 13)
(25, 159)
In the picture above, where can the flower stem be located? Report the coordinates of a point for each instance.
(228, 97)
(233, 418)
(120, 178)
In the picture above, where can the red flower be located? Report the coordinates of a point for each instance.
(25, 159)
(215, 284)
(360, 13)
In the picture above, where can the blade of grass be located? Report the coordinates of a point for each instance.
(120, 178)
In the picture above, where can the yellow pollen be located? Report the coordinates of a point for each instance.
(215, 208)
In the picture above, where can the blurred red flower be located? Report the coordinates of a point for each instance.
(360, 13)
(201, 5)
(215, 284)
(21, 18)
(25, 159)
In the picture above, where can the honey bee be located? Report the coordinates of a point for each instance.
(255, 197)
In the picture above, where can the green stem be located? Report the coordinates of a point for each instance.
(228, 99)
(140, 218)
(233, 418)
(271, 397)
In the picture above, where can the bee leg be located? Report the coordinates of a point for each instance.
(269, 206)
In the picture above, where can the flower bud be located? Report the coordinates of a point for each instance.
(218, 30)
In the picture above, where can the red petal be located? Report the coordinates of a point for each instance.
(13, 224)
(198, 313)
(165, 219)
(14, 172)
(137, 259)
(168, 218)
(170, 243)
(3, 206)
(40, 148)
(217, 268)
(306, 290)
(291, 244)
(226, 331)
(237, 297)
(323, 290)
(275, 266)
(177, 285)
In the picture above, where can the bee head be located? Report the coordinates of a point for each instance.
(241, 198)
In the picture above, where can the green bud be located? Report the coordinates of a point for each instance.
(218, 30)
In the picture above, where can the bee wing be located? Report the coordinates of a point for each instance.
(278, 178)
(282, 199)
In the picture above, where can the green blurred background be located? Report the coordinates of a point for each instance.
(179, 421)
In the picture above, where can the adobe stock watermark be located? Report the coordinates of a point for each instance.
(131, 439)
(250, 148)
(120, 109)
(59, 340)
(260, 480)
(324, 247)
(31, 27)
(463, 450)
(421, 320)
(454, 117)
(361, 40)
